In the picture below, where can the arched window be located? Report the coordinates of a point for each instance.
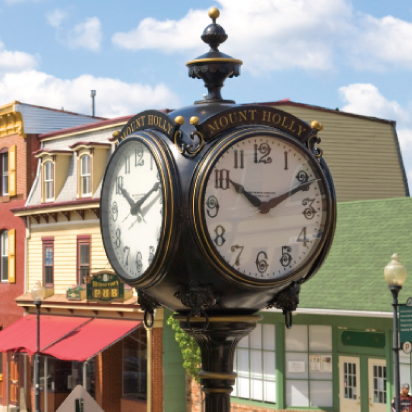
(4, 255)
(85, 176)
(48, 181)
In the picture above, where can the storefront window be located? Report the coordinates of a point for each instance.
(135, 365)
(405, 367)
(309, 366)
(255, 365)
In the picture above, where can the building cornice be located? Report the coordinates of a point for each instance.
(11, 121)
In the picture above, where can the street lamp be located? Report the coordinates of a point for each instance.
(37, 294)
(395, 276)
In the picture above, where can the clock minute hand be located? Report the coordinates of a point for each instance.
(255, 201)
(270, 204)
(136, 206)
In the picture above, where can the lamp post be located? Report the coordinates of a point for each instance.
(395, 276)
(37, 294)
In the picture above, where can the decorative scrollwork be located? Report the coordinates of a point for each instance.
(288, 301)
(198, 298)
(189, 150)
(315, 139)
(149, 306)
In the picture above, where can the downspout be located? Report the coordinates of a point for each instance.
(149, 341)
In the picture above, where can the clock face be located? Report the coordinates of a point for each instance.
(264, 207)
(133, 222)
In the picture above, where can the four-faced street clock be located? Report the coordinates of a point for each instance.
(216, 211)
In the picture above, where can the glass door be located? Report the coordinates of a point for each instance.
(349, 384)
(377, 385)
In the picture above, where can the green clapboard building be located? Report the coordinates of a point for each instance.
(338, 354)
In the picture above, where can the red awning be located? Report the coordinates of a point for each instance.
(67, 338)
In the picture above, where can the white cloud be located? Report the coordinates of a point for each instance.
(366, 99)
(267, 34)
(12, 61)
(114, 97)
(87, 35)
(56, 17)
(382, 42)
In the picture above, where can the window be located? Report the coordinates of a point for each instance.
(85, 176)
(48, 261)
(83, 258)
(4, 251)
(48, 181)
(308, 365)
(4, 160)
(135, 365)
(256, 366)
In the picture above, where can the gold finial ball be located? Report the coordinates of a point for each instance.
(214, 13)
(116, 133)
(180, 120)
(194, 120)
(316, 125)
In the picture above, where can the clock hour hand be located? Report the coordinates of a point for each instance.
(255, 201)
(126, 195)
(135, 209)
(270, 204)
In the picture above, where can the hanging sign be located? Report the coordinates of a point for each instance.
(105, 287)
(405, 324)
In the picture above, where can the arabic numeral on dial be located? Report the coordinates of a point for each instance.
(262, 262)
(212, 205)
(302, 176)
(310, 211)
(151, 163)
(286, 161)
(119, 185)
(151, 254)
(222, 179)
(286, 257)
(118, 241)
(219, 239)
(139, 264)
(234, 248)
(302, 237)
(126, 251)
(138, 156)
(114, 211)
(236, 154)
(127, 165)
(264, 150)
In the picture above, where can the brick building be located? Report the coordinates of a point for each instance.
(20, 125)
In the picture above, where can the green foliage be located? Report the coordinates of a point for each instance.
(192, 360)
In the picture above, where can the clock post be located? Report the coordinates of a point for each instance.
(216, 211)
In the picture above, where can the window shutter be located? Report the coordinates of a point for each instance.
(12, 255)
(13, 170)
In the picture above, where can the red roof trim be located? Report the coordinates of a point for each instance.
(84, 127)
(324, 109)
(51, 205)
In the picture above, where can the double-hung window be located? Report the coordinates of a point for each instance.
(4, 160)
(48, 261)
(4, 249)
(48, 181)
(83, 258)
(85, 175)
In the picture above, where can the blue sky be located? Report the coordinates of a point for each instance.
(355, 55)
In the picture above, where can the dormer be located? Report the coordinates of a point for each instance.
(91, 163)
(54, 169)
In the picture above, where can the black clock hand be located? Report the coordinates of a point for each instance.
(126, 195)
(135, 208)
(270, 204)
(251, 198)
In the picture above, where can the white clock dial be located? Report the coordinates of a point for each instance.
(264, 207)
(135, 202)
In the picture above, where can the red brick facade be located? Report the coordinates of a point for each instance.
(26, 170)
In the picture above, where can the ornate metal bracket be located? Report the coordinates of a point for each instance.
(189, 150)
(198, 298)
(287, 300)
(315, 139)
(149, 305)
